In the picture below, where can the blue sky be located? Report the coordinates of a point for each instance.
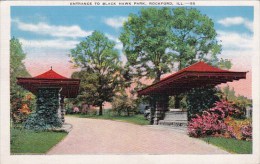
(93, 18)
(50, 32)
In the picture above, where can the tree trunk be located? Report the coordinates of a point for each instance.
(127, 112)
(158, 76)
(100, 110)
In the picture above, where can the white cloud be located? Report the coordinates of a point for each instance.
(119, 44)
(49, 44)
(115, 22)
(231, 21)
(43, 28)
(235, 41)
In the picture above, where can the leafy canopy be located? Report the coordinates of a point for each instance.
(145, 38)
(194, 37)
(100, 68)
(17, 69)
(157, 38)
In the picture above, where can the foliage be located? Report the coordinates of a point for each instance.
(183, 103)
(247, 132)
(46, 116)
(194, 37)
(145, 39)
(241, 130)
(100, 68)
(155, 38)
(224, 64)
(211, 122)
(18, 96)
(123, 104)
(230, 144)
(240, 102)
(200, 99)
(217, 121)
(26, 141)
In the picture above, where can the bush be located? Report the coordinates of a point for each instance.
(200, 99)
(21, 107)
(241, 130)
(69, 111)
(92, 112)
(246, 132)
(217, 121)
(211, 122)
(123, 104)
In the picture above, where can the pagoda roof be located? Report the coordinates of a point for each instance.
(50, 75)
(197, 75)
(51, 79)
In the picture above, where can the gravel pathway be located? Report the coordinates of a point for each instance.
(95, 136)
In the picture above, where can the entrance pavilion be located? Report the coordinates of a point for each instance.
(52, 82)
(197, 75)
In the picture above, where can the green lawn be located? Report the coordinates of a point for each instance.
(30, 142)
(135, 119)
(231, 145)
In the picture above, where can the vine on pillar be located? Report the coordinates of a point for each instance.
(45, 117)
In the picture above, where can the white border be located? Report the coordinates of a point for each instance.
(6, 158)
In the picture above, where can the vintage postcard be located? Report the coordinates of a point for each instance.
(129, 81)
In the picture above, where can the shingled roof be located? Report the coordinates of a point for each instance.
(197, 75)
(50, 75)
(51, 79)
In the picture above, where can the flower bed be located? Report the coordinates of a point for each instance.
(217, 121)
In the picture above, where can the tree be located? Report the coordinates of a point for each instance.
(194, 37)
(146, 37)
(17, 69)
(224, 64)
(240, 102)
(100, 68)
(155, 39)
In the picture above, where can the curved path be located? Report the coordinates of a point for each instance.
(95, 136)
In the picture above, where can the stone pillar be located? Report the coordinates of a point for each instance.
(45, 116)
(162, 104)
(62, 109)
(152, 109)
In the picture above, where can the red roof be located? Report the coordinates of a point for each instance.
(197, 75)
(197, 67)
(51, 79)
(50, 75)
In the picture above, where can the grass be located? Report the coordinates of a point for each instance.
(231, 145)
(135, 119)
(30, 142)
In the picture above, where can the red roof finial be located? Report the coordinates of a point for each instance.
(51, 67)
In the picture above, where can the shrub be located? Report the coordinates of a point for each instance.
(247, 132)
(218, 121)
(207, 124)
(21, 107)
(69, 111)
(211, 122)
(92, 112)
(241, 130)
(123, 104)
(200, 99)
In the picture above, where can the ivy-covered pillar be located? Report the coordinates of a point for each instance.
(162, 104)
(62, 109)
(46, 115)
